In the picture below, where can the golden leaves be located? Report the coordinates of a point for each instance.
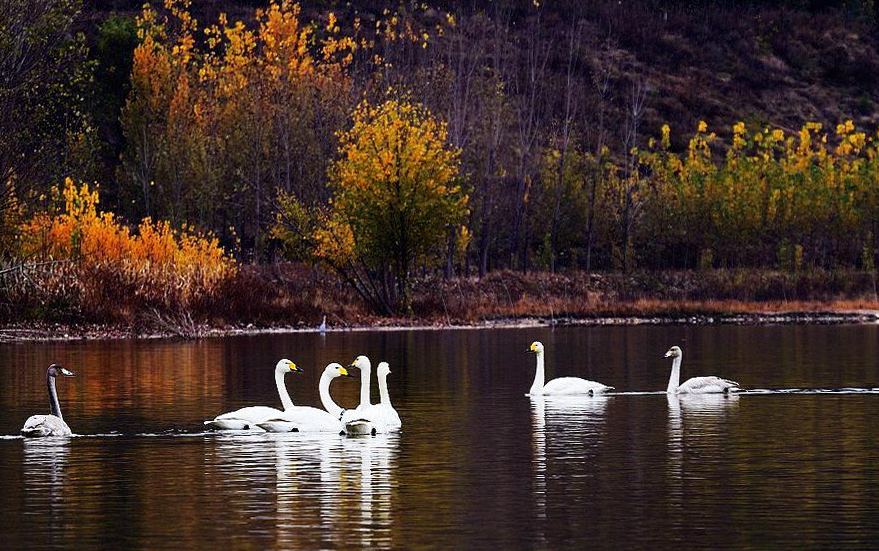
(157, 258)
(396, 176)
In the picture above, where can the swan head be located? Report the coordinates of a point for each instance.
(361, 363)
(286, 365)
(536, 347)
(383, 369)
(674, 352)
(55, 370)
(336, 370)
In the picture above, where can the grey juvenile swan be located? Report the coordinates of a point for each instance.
(49, 425)
(696, 385)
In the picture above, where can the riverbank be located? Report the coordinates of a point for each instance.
(291, 298)
(736, 314)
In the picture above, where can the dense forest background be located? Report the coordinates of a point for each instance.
(596, 135)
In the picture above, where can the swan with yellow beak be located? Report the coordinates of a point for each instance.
(563, 386)
(248, 417)
(311, 419)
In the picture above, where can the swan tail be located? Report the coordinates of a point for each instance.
(360, 427)
(732, 386)
(35, 432)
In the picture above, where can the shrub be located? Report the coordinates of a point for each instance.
(109, 272)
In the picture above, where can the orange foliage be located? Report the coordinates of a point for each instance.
(157, 266)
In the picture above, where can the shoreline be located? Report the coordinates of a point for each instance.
(21, 333)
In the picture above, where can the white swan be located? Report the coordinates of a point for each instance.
(49, 425)
(696, 385)
(386, 412)
(248, 417)
(366, 418)
(562, 385)
(310, 419)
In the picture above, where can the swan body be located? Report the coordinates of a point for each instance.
(45, 425)
(311, 419)
(696, 385)
(250, 416)
(366, 418)
(49, 425)
(563, 385)
(387, 414)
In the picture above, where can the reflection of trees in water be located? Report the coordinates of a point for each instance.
(158, 384)
(329, 491)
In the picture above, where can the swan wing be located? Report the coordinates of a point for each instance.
(707, 385)
(45, 425)
(389, 416)
(302, 419)
(573, 385)
(393, 418)
(243, 418)
(360, 413)
(373, 419)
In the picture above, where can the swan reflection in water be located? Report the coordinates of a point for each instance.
(695, 420)
(562, 427)
(343, 485)
(45, 473)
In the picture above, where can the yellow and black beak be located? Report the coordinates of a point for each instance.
(344, 372)
(295, 368)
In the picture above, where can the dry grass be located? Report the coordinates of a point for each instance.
(292, 295)
(580, 295)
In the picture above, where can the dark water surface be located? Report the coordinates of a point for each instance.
(477, 465)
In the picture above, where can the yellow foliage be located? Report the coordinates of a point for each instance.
(157, 263)
(397, 191)
(768, 185)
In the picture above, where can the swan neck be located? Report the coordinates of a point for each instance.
(365, 374)
(54, 405)
(383, 390)
(675, 380)
(539, 376)
(286, 401)
(325, 399)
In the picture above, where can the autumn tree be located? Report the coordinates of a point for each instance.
(45, 130)
(222, 118)
(397, 190)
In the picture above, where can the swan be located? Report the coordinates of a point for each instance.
(696, 385)
(561, 385)
(387, 414)
(366, 418)
(49, 425)
(310, 419)
(248, 417)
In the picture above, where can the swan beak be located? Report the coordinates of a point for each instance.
(67, 373)
(344, 372)
(668, 354)
(295, 368)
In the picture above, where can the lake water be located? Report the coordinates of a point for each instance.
(478, 464)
